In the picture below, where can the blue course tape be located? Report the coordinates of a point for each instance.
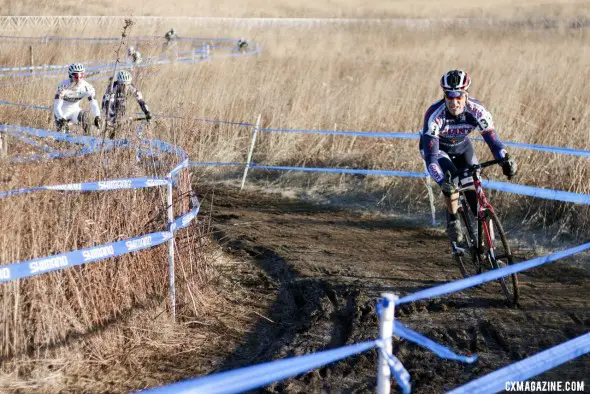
(538, 192)
(177, 169)
(544, 148)
(25, 105)
(184, 220)
(94, 143)
(313, 169)
(462, 284)
(378, 134)
(343, 171)
(46, 67)
(164, 116)
(443, 352)
(60, 155)
(64, 137)
(249, 378)
(215, 164)
(169, 148)
(60, 261)
(185, 56)
(388, 134)
(113, 184)
(34, 143)
(525, 369)
(398, 371)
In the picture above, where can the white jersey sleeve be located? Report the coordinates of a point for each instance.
(58, 99)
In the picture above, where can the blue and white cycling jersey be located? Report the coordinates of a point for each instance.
(444, 132)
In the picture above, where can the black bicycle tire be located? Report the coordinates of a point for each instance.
(511, 296)
(465, 215)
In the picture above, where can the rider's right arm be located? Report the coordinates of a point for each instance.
(57, 107)
(430, 145)
(58, 103)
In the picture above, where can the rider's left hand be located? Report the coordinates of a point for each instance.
(97, 122)
(509, 167)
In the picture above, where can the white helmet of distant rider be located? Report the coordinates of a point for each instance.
(124, 77)
(76, 71)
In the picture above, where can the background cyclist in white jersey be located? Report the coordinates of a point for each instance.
(134, 56)
(66, 106)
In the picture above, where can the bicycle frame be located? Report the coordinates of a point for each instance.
(483, 206)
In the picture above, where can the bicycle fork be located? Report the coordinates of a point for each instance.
(470, 234)
(488, 232)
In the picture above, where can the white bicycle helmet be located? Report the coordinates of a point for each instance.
(76, 68)
(455, 80)
(124, 77)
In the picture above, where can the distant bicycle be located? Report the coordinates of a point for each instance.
(485, 243)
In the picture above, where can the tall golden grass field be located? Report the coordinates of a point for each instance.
(534, 80)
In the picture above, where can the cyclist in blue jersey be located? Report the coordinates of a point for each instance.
(445, 145)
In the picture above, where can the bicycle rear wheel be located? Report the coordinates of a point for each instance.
(469, 262)
(499, 255)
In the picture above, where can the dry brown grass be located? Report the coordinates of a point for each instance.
(432, 9)
(372, 78)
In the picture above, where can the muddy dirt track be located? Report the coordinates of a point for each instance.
(321, 269)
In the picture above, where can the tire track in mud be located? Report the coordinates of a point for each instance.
(324, 268)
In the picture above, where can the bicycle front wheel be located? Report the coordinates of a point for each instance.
(499, 255)
(469, 262)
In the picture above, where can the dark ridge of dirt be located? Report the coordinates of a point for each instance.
(326, 268)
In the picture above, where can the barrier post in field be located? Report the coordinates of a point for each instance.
(3, 146)
(205, 52)
(32, 59)
(256, 128)
(169, 203)
(430, 195)
(184, 190)
(385, 334)
(139, 143)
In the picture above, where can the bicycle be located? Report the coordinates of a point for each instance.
(124, 125)
(481, 243)
(135, 139)
(84, 123)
